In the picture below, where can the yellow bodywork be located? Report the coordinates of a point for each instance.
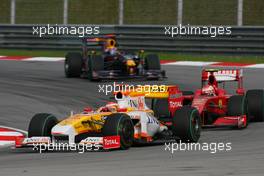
(148, 91)
(94, 121)
(83, 123)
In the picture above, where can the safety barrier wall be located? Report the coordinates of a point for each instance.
(243, 40)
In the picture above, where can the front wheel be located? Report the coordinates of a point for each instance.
(120, 125)
(255, 100)
(237, 106)
(186, 124)
(41, 125)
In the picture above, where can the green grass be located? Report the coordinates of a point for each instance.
(211, 57)
(163, 56)
(33, 53)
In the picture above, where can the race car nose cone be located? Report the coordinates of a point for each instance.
(62, 130)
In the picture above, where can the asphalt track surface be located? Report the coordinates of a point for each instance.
(27, 88)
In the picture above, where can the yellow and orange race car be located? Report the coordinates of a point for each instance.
(122, 123)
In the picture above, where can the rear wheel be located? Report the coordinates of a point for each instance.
(187, 101)
(120, 125)
(237, 106)
(95, 63)
(161, 108)
(255, 100)
(186, 124)
(73, 65)
(41, 125)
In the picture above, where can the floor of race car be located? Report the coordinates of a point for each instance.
(27, 88)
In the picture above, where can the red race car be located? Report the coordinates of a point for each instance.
(216, 107)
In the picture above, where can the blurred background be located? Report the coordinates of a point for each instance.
(138, 24)
(193, 12)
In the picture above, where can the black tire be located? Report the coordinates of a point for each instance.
(186, 124)
(121, 125)
(73, 65)
(152, 62)
(187, 101)
(161, 108)
(95, 63)
(255, 99)
(41, 125)
(237, 105)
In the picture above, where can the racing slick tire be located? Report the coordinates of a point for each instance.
(187, 101)
(237, 105)
(41, 125)
(95, 63)
(186, 124)
(120, 125)
(73, 65)
(160, 106)
(255, 100)
(152, 62)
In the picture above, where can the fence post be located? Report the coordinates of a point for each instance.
(240, 12)
(65, 11)
(13, 12)
(180, 8)
(121, 12)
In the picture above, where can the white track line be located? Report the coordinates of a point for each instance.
(177, 63)
(255, 66)
(45, 59)
(191, 63)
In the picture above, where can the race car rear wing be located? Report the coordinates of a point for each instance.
(103, 38)
(136, 97)
(222, 75)
(105, 41)
(149, 91)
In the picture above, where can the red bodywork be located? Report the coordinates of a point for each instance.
(213, 108)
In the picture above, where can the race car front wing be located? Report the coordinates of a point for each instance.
(89, 143)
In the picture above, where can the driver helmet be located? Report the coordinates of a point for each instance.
(111, 46)
(112, 106)
(211, 80)
(208, 90)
